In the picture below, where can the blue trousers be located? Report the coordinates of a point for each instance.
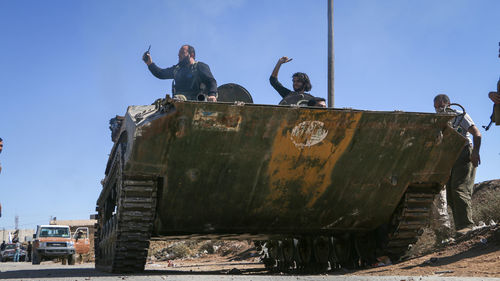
(16, 255)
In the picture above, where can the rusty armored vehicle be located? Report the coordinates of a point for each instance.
(319, 187)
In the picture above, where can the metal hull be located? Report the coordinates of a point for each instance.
(272, 170)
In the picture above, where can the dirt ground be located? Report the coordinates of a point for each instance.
(475, 255)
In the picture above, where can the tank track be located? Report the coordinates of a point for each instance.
(310, 254)
(317, 254)
(409, 219)
(122, 235)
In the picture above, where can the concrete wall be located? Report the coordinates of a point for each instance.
(24, 235)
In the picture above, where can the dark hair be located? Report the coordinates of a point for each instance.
(315, 101)
(442, 97)
(304, 79)
(1, 139)
(191, 50)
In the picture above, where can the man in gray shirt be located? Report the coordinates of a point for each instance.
(461, 182)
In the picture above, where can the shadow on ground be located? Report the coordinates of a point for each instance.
(48, 273)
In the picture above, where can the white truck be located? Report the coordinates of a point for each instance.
(53, 241)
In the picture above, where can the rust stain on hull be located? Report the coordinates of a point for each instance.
(305, 154)
(216, 121)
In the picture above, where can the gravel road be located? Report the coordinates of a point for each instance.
(56, 272)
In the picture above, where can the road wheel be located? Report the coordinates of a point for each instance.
(71, 259)
(35, 259)
(63, 260)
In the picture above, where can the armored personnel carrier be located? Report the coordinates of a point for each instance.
(320, 187)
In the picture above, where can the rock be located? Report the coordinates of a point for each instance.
(234, 271)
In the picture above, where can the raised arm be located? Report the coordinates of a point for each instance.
(273, 79)
(160, 73)
(276, 69)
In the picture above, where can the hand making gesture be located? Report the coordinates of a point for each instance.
(283, 60)
(276, 69)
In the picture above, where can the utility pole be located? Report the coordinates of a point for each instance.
(16, 222)
(331, 57)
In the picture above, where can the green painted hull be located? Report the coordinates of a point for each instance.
(264, 170)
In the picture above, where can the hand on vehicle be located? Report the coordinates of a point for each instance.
(211, 98)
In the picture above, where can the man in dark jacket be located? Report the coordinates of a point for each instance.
(301, 85)
(191, 77)
(301, 82)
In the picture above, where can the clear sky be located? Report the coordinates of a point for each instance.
(67, 67)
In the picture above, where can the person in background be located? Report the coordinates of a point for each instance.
(18, 251)
(319, 102)
(28, 251)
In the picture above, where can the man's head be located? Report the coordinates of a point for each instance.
(441, 101)
(186, 52)
(1, 145)
(301, 82)
(317, 101)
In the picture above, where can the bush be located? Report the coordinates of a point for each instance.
(486, 202)
(178, 251)
(207, 246)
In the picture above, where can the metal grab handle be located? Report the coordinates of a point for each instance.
(459, 115)
(459, 105)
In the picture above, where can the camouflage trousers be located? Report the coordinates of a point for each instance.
(458, 192)
(441, 219)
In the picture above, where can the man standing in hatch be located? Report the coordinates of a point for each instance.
(301, 82)
(193, 80)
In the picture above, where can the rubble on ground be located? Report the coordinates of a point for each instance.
(190, 249)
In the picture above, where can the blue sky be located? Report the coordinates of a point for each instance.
(67, 67)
